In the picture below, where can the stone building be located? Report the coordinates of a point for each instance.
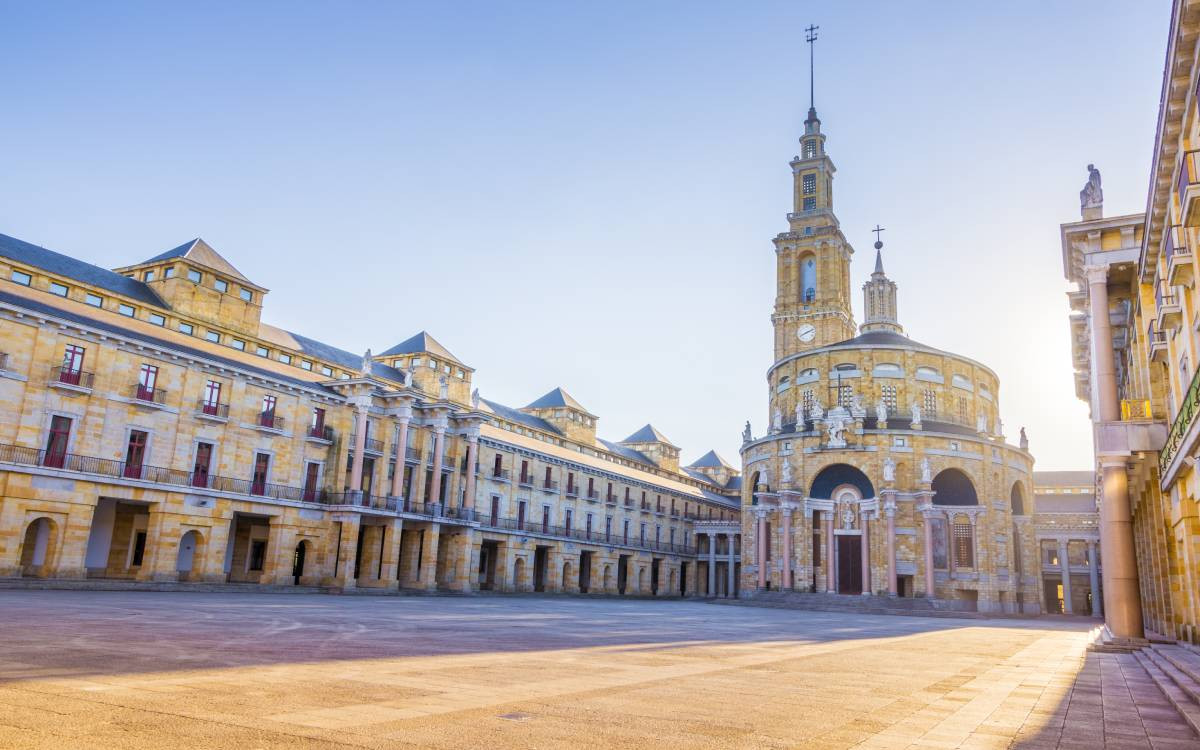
(154, 428)
(1066, 522)
(1135, 329)
(884, 469)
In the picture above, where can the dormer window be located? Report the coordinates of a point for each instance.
(417, 361)
(326, 371)
(148, 276)
(22, 278)
(305, 364)
(246, 295)
(169, 272)
(194, 276)
(58, 289)
(221, 285)
(262, 351)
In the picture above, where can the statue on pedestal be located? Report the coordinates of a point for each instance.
(926, 471)
(1091, 196)
(747, 436)
(475, 399)
(889, 469)
(881, 415)
(1024, 440)
(365, 366)
(443, 388)
(981, 424)
(777, 420)
(916, 415)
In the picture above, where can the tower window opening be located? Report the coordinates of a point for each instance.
(845, 394)
(808, 184)
(930, 404)
(810, 204)
(808, 401)
(888, 394)
(808, 279)
(810, 149)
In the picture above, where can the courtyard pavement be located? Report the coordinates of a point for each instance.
(92, 669)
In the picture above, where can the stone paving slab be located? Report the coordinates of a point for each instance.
(143, 670)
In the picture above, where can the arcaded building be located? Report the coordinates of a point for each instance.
(884, 468)
(1066, 523)
(154, 428)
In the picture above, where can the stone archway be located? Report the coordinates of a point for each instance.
(39, 548)
(953, 487)
(303, 561)
(519, 574)
(566, 575)
(190, 557)
(606, 580)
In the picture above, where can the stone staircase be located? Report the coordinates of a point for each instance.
(1176, 671)
(867, 605)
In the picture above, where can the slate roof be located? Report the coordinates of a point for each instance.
(345, 359)
(92, 322)
(201, 253)
(647, 434)
(520, 417)
(885, 338)
(625, 452)
(421, 343)
(555, 399)
(732, 502)
(710, 460)
(699, 476)
(734, 483)
(85, 273)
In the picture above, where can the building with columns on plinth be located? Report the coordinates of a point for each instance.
(1066, 524)
(884, 470)
(153, 428)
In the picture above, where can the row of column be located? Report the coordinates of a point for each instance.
(787, 582)
(1064, 564)
(731, 582)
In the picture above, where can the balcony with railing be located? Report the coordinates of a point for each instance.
(584, 535)
(269, 421)
(412, 454)
(500, 475)
(549, 485)
(1168, 312)
(572, 490)
(72, 379)
(1182, 436)
(1187, 188)
(610, 499)
(319, 433)
(370, 445)
(592, 496)
(213, 411)
(1156, 342)
(156, 397)
(1178, 257)
(526, 480)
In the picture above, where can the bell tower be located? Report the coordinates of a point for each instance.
(812, 301)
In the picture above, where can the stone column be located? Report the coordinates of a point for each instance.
(468, 502)
(435, 483)
(763, 544)
(429, 557)
(712, 564)
(893, 590)
(830, 551)
(360, 445)
(930, 589)
(348, 551)
(392, 533)
(402, 418)
(866, 556)
(1093, 574)
(731, 580)
(1064, 565)
(786, 522)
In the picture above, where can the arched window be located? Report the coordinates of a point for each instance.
(958, 381)
(1017, 500)
(929, 373)
(807, 375)
(784, 383)
(808, 279)
(846, 367)
(836, 475)
(953, 487)
(887, 370)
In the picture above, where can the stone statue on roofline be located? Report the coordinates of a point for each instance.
(881, 414)
(1092, 196)
(747, 436)
(365, 367)
(443, 388)
(1024, 440)
(777, 421)
(475, 400)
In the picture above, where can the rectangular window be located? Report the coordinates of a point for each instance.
(495, 508)
(194, 276)
(888, 394)
(417, 361)
(266, 417)
(221, 285)
(94, 300)
(311, 471)
(262, 463)
(810, 204)
(964, 546)
(22, 278)
(809, 184)
(545, 519)
(212, 398)
(148, 276)
(262, 351)
(238, 344)
(521, 515)
(58, 289)
(930, 404)
(135, 454)
(305, 364)
(201, 465)
(186, 328)
(607, 528)
(126, 310)
(246, 295)
(169, 272)
(625, 535)
(213, 336)
(641, 533)
(327, 371)
(56, 443)
(568, 519)
(147, 382)
(72, 363)
(157, 319)
(588, 521)
(845, 396)
(317, 423)
(285, 358)
(962, 409)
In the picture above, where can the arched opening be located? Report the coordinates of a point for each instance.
(607, 579)
(186, 558)
(754, 488)
(836, 475)
(519, 574)
(566, 574)
(671, 585)
(641, 589)
(808, 278)
(301, 560)
(1017, 499)
(39, 547)
(953, 487)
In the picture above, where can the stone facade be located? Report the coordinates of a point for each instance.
(154, 429)
(883, 469)
(1066, 524)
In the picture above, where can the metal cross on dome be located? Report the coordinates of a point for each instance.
(877, 230)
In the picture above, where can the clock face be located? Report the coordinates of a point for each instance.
(806, 332)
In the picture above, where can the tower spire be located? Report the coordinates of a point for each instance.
(810, 36)
(879, 296)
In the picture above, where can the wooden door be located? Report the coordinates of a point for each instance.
(849, 564)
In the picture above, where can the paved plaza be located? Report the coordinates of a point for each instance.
(90, 669)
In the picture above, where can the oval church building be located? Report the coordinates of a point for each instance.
(884, 470)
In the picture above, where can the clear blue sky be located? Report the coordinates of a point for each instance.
(584, 195)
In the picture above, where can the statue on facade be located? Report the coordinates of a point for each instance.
(856, 407)
(926, 471)
(836, 421)
(365, 367)
(443, 388)
(1091, 196)
(785, 474)
(981, 424)
(916, 414)
(475, 399)
(881, 414)
(747, 436)
(889, 469)
(848, 519)
(777, 420)
(1024, 440)
(818, 411)
(800, 417)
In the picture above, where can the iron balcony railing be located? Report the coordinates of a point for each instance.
(550, 485)
(72, 376)
(525, 481)
(1154, 336)
(593, 494)
(1164, 296)
(212, 409)
(566, 532)
(1189, 174)
(411, 454)
(370, 444)
(572, 491)
(320, 432)
(270, 420)
(149, 395)
(502, 474)
(1188, 407)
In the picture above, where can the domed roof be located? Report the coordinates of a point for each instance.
(887, 339)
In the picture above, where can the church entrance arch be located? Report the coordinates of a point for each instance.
(848, 538)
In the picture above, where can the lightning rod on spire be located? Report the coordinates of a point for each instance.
(810, 36)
